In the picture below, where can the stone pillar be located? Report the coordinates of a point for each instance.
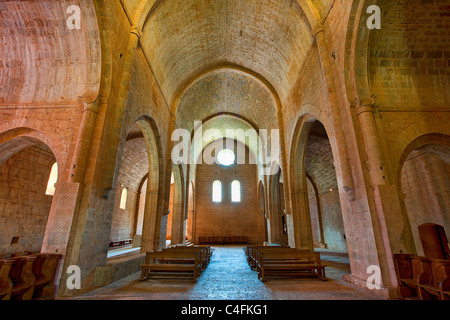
(343, 159)
(391, 229)
(82, 148)
(369, 131)
(89, 233)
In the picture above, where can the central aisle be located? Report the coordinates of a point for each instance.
(228, 276)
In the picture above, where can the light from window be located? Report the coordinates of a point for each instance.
(226, 157)
(235, 191)
(52, 180)
(123, 199)
(217, 191)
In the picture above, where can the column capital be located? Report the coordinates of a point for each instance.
(317, 29)
(135, 30)
(364, 105)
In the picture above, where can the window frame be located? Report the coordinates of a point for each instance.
(217, 187)
(238, 192)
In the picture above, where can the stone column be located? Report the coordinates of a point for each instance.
(343, 158)
(365, 113)
(89, 233)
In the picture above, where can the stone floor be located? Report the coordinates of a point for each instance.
(228, 277)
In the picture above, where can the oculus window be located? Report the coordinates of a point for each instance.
(226, 157)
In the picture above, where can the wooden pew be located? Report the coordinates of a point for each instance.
(6, 284)
(44, 269)
(205, 253)
(158, 263)
(407, 289)
(439, 288)
(255, 250)
(422, 274)
(22, 276)
(290, 264)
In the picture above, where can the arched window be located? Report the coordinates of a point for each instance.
(235, 191)
(52, 180)
(123, 199)
(217, 191)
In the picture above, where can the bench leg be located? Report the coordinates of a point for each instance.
(261, 275)
(144, 274)
(321, 273)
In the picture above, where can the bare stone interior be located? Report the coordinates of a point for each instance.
(361, 116)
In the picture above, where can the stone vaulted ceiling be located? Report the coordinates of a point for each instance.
(184, 38)
(227, 92)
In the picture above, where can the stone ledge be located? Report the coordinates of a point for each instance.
(118, 268)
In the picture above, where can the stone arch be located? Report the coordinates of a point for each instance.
(277, 208)
(154, 202)
(262, 209)
(301, 206)
(190, 222)
(146, 8)
(357, 54)
(178, 226)
(26, 160)
(10, 132)
(140, 206)
(438, 139)
(423, 179)
(144, 149)
(49, 78)
(298, 187)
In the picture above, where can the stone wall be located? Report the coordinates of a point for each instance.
(426, 189)
(227, 218)
(24, 206)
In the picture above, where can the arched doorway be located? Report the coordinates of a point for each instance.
(315, 193)
(138, 187)
(262, 210)
(425, 186)
(176, 227)
(278, 218)
(190, 222)
(28, 187)
(323, 197)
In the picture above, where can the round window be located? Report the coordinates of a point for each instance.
(226, 157)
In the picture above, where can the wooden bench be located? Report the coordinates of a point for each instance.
(44, 269)
(172, 263)
(290, 264)
(253, 252)
(422, 274)
(6, 284)
(222, 240)
(404, 270)
(21, 274)
(439, 286)
(205, 253)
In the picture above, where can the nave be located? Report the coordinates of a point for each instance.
(229, 277)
